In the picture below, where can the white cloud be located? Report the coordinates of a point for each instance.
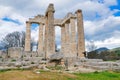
(10, 13)
(109, 43)
(98, 18)
(34, 33)
(102, 26)
(8, 27)
(92, 8)
(5, 11)
(110, 2)
(57, 3)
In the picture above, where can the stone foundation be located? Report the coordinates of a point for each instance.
(15, 52)
(27, 62)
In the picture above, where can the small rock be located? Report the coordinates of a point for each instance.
(38, 72)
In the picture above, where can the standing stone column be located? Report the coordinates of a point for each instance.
(67, 45)
(80, 29)
(28, 37)
(73, 44)
(51, 31)
(46, 37)
(41, 41)
(63, 39)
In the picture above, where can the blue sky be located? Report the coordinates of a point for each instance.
(101, 18)
(7, 19)
(116, 7)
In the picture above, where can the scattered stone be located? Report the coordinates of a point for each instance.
(56, 56)
(18, 64)
(15, 52)
(38, 72)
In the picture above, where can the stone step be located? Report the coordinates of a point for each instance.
(89, 60)
(102, 67)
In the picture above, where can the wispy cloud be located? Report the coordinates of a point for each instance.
(101, 22)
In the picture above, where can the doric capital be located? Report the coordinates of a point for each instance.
(50, 8)
(78, 11)
(28, 22)
(41, 23)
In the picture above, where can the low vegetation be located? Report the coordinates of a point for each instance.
(58, 67)
(98, 76)
(48, 75)
(105, 55)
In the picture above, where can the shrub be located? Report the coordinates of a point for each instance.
(32, 63)
(13, 60)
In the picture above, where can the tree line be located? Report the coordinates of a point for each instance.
(15, 39)
(105, 55)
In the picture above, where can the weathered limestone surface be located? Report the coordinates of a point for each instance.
(80, 29)
(37, 19)
(3, 54)
(41, 41)
(63, 40)
(73, 43)
(67, 39)
(46, 38)
(67, 18)
(51, 30)
(28, 37)
(15, 52)
(56, 56)
(57, 22)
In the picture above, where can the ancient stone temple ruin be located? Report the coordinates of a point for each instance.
(70, 45)
(71, 55)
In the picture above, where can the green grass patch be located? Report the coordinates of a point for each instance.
(48, 75)
(98, 76)
(43, 71)
(13, 60)
(18, 69)
(5, 70)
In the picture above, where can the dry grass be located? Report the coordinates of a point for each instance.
(30, 75)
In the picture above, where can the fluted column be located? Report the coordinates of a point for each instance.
(67, 39)
(28, 37)
(73, 44)
(50, 46)
(46, 37)
(63, 39)
(80, 29)
(41, 41)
